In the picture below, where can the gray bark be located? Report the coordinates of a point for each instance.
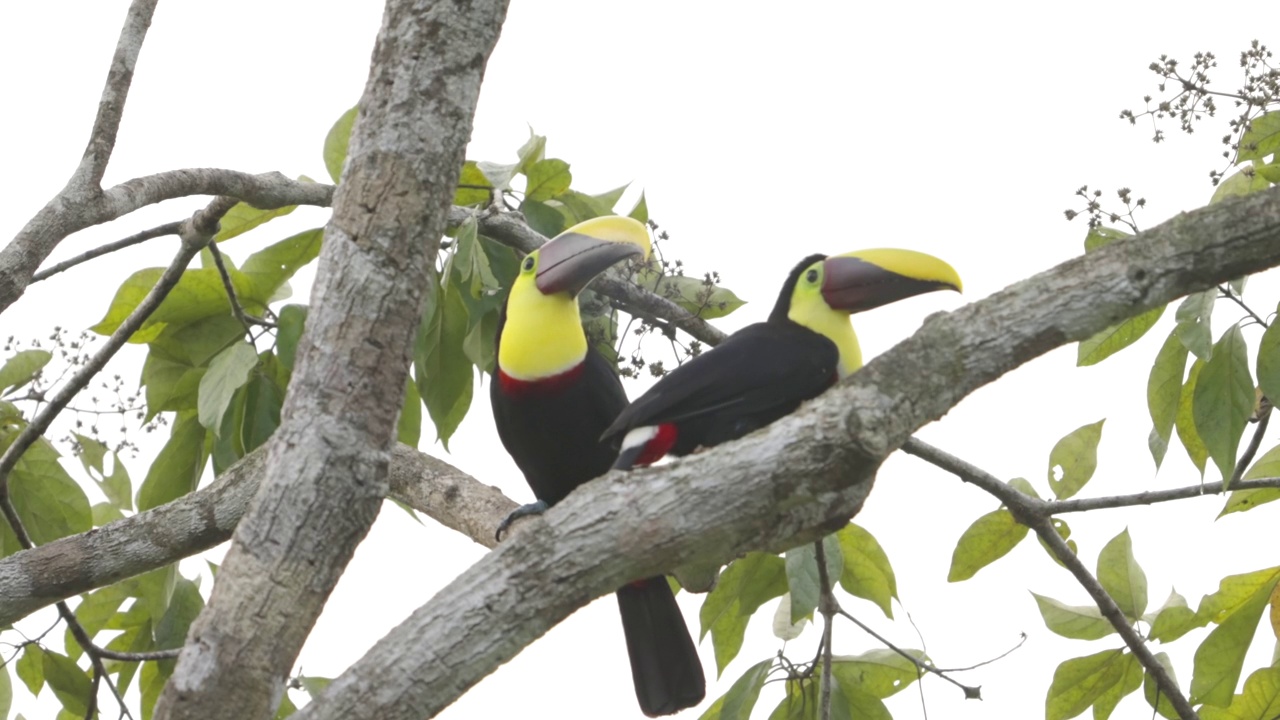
(37, 578)
(326, 467)
(791, 482)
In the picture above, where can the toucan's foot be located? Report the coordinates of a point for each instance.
(533, 508)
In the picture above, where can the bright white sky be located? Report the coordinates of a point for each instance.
(759, 135)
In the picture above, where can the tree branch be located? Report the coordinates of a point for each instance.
(74, 209)
(102, 139)
(790, 482)
(155, 232)
(326, 467)
(36, 578)
(1033, 513)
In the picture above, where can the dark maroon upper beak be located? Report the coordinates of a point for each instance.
(571, 261)
(855, 285)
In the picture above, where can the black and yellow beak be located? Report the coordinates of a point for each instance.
(571, 260)
(867, 279)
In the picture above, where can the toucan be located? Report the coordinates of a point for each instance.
(553, 395)
(764, 371)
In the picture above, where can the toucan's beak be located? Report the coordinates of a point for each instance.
(867, 279)
(572, 259)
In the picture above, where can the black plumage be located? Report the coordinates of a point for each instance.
(552, 430)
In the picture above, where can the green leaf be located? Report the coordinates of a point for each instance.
(409, 426)
(1158, 446)
(92, 454)
(136, 639)
(783, 627)
(532, 151)
(336, 143)
(1164, 386)
(49, 502)
(442, 369)
(6, 692)
(1122, 577)
(267, 271)
(1246, 181)
(543, 218)
(473, 187)
(1098, 237)
(988, 539)
(94, 611)
(1061, 527)
(879, 673)
(1130, 681)
(1079, 622)
(1267, 466)
(1261, 139)
(315, 685)
(610, 198)
(177, 468)
(292, 320)
(1150, 690)
(228, 372)
(30, 668)
(547, 179)
(104, 513)
(1269, 362)
(1075, 457)
(68, 682)
(701, 297)
(497, 174)
(1260, 699)
(1236, 608)
(1184, 422)
(1112, 340)
(184, 605)
(262, 402)
(1079, 682)
(286, 708)
(744, 586)
(1224, 399)
(803, 580)
(867, 573)
(1173, 620)
(641, 210)
(1193, 316)
(199, 294)
(243, 217)
(1271, 172)
(741, 698)
(151, 683)
(578, 207)
(23, 367)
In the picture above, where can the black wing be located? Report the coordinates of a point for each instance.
(756, 376)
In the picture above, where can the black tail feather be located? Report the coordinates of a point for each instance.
(664, 662)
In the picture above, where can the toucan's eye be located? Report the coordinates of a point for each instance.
(812, 275)
(528, 263)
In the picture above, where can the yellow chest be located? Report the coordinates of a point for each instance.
(835, 326)
(542, 336)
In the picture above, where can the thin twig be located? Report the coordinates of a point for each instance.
(238, 310)
(828, 606)
(1246, 458)
(169, 654)
(1033, 513)
(970, 692)
(106, 124)
(155, 232)
(1226, 291)
(91, 708)
(1151, 497)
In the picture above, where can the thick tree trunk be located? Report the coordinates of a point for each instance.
(326, 467)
